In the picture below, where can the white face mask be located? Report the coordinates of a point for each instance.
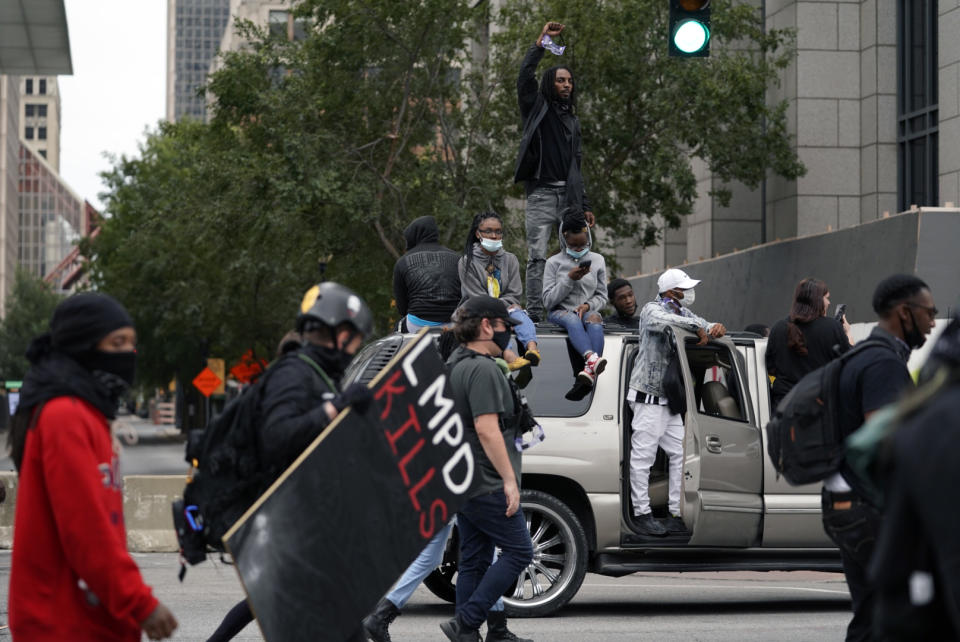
(491, 245)
(689, 296)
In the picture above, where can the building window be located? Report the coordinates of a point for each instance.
(917, 114)
(42, 111)
(43, 152)
(28, 133)
(29, 85)
(43, 86)
(29, 110)
(278, 23)
(41, 133)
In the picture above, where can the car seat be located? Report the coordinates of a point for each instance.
(718, 401)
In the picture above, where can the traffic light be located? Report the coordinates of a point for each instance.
(689, 28)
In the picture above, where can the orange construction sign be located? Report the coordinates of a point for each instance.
(207, 382)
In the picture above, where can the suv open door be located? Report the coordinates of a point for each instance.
(723, 456)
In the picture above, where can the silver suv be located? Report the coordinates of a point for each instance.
(576, 484)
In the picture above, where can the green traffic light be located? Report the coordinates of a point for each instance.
(691, 36)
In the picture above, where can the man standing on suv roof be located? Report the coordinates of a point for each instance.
(491, 517)
(549, 158)
(653, 423)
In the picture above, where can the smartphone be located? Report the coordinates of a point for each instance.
(841, 310)
(586, 264)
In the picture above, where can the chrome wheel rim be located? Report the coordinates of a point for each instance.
(554, 559)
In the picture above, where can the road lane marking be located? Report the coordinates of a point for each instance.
(726, 586)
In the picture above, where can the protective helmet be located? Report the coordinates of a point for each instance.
(332, 304)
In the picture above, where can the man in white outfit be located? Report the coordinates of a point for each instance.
(653, 423)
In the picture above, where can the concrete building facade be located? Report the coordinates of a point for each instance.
(873, 110)
(194, 31)
(40, 116)
(9, 172)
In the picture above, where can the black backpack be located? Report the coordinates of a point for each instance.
(804, 436)
(227, 474)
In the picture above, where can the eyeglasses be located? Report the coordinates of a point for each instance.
(537, 437)
(932, 311)
(495, 233)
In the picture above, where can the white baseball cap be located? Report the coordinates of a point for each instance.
(674, 278)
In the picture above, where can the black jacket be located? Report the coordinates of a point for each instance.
(426, 282)
(533, 107)
(291, 408)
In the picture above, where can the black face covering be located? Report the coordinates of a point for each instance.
(913, 337)
(501, 338)
(122, 365)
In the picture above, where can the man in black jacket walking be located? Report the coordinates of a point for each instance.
(549, 159)
(302, 395)
(426, 283)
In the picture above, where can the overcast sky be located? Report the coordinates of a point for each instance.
(117, 89)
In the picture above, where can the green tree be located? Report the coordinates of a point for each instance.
(324, 149)
(28, 313)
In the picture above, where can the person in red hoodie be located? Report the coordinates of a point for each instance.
(71, 576)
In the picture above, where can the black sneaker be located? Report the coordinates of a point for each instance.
(675, 524)
(647, 525)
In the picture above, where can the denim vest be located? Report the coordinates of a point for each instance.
(655, 350)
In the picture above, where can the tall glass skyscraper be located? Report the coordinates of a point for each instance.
(194, 30)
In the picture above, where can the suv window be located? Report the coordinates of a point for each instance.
(717, 389)
(553, 378)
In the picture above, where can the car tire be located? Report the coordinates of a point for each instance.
(559, 557)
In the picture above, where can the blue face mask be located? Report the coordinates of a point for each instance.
(577, 254)
(491, 245)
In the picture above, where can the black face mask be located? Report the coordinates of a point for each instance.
(501, 338)
(122, 365)
(913, 337)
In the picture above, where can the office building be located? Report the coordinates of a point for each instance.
(194, 30)
(40, 116)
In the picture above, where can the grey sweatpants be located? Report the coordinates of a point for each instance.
(545, 209)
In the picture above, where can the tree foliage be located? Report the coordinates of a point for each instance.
(28, 314)
(324, 149)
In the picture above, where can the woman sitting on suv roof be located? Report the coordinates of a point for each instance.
(487, 269)
(574, 292)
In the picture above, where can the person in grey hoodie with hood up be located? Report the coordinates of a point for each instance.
(486, 269)
(574, 293)
(426, 286)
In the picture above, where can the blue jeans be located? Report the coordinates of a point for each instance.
(526, 331)
(429, 559)
(545, 207)
(483, 526)
(585, 336)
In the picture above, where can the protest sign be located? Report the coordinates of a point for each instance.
(318, 550)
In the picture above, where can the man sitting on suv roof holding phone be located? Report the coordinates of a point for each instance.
(653, 423)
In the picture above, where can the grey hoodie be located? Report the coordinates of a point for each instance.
(562, 292)
(474, 282)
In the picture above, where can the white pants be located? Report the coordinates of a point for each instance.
(654, 425)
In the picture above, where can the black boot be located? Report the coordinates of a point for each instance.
(457, 632)
(497, 630)
(377, 623)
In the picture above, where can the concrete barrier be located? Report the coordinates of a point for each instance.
(146, 511)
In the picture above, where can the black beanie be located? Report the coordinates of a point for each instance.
(79, 323)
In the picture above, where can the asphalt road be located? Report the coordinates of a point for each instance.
(148, 449)
(644, 606)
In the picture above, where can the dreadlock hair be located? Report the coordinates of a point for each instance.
(807, 306)
(549, 90)
(472, 239)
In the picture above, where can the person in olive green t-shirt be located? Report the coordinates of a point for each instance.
(491, 517)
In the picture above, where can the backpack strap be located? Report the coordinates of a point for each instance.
(323, 375)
